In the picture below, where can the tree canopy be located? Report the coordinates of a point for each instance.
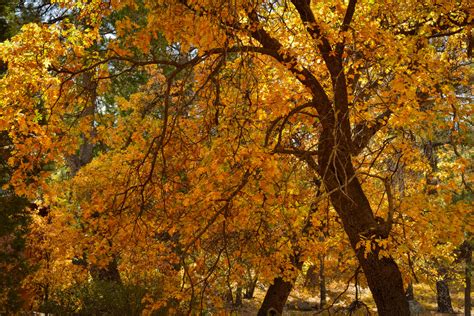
(178, 145)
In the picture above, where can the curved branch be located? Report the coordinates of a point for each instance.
(301, 73)
(285, 120)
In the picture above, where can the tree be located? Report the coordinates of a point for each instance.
(243, 108)
(14, 214)
(14, 220)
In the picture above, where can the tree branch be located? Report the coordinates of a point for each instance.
(362, 133)
(302, 74)
(345, 25)
(285, 120)
(306, 14)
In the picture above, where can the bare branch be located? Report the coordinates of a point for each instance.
(285, 119)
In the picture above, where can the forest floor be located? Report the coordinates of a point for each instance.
(424, 294)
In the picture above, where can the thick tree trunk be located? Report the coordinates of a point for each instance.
(443, 297)
(275, 298)
(385, 282)
(229, 296)
(382, 274)
(350, 202)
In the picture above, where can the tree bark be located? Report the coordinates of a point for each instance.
(229, 296)
(275, 298)
(250, 288)
(238, 297)
(351, 204)
(443, 297)
(467, 288)
(409, 292)
(334, 158)
(108, 274)
(311, 279)
(383, 276)
(277, 294)
(322, 283)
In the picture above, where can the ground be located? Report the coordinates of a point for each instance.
(424, 293)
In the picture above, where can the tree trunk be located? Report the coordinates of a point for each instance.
(467, 289)
(382, 274)
(229, 296)
(84, 156)
(277, 294)
(250, 288)
(443, 297)
(311, 278)
(322, 283)
(409, 292)
(351, 204)
(109, 273)
(238, 297)
(334, 166)
(275, 298)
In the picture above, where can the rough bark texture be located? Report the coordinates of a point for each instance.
(467, 289)
(275, 298)
(443, 297)
(335, 147)
(349, 200)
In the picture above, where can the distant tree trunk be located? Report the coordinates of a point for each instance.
(229, 296)
(84, 156)
(322, 283)
(311, 278)
(275, 298)
(238, 297)
(409, 292)
(277, 294)
(109, 273)
(468, 276)
(443, 297)
(250, 288)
